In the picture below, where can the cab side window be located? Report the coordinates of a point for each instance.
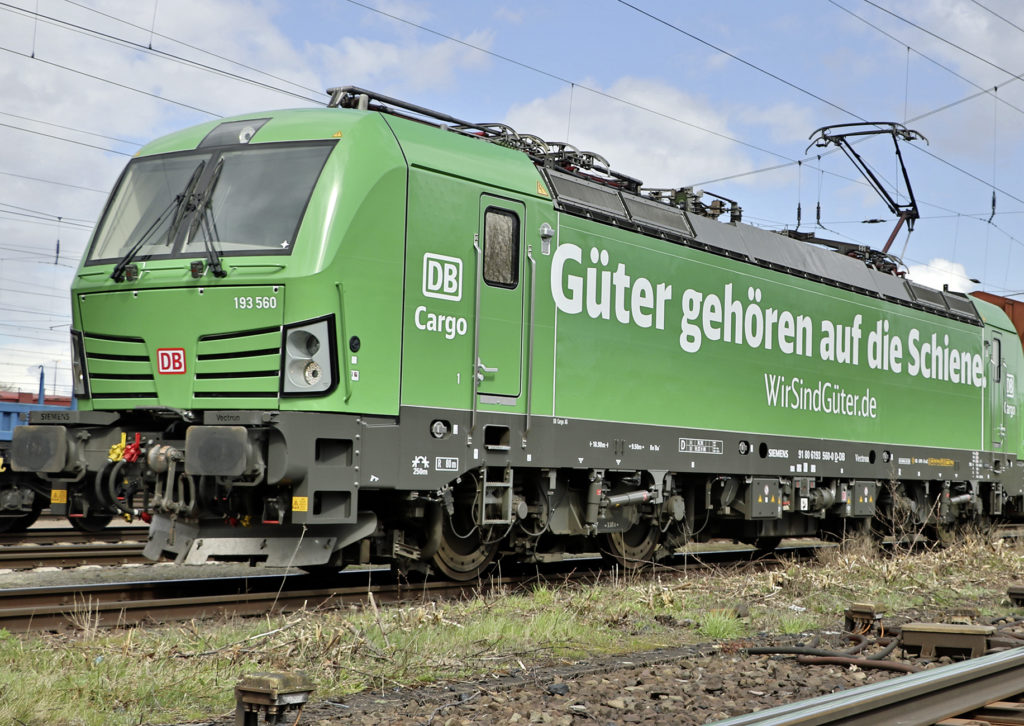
(501, 248)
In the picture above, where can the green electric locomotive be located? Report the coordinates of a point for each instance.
(376, 333)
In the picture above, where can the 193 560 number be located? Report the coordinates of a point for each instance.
(255, 303)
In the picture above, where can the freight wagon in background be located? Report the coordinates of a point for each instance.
(374, 332)
(23, 496)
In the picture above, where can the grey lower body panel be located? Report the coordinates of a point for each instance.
(194, 542)
(300, 487)
(558, 442)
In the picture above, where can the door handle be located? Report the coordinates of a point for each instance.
(482, 370)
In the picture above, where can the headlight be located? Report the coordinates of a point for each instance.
(312, 373)
(309, 358)
(79, 373)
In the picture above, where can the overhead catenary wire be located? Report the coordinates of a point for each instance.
(528, 66)
(24, 218)
(107, 37)
(61, 138)
(814, 95)
(820, 98)
(124, 86)
(44, 215)
(71, 128)
(568, 82)
(453, 39)
(792, 162)
(54, 181)
(153, 33)
(941, 39)
(789, 161)
(982, 91)
(426, 29)
(795, 162)
(745, 62)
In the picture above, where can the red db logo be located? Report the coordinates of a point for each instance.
(170, 360)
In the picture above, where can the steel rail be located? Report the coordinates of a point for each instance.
(119, 604)
(920, 699)
(114, 604)
(23, 557)
(64, 535)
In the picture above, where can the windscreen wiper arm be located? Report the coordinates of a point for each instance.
(185, 201)
(204, 218)
(177, 204)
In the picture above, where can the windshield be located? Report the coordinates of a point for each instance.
(248, 201)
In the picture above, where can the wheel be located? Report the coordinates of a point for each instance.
(765, 545)
(901, 512)
(466, 550)
(21, 523)
(634, 548)
(25, 521)
(14, 525)
(91, 522)
(946, 535)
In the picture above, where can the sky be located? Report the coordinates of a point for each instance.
(724, 96)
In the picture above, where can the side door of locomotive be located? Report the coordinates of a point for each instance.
(499, 284)
(996, 391)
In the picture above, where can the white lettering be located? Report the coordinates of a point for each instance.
(448, 325)
(634, 300)
(591, 281)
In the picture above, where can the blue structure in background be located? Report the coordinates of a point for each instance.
(15, 413)
(22, 496)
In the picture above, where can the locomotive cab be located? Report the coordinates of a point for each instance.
(241, 277)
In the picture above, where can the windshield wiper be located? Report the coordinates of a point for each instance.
(178, 205)
(204, 219)
(185, 202)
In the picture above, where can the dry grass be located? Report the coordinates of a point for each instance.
(187, 671)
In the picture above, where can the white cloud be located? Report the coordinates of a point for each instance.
(419, 65)
(250, 31)
(939, 272)
(413, 12)
(787, 123)
(965, 24)
(655, 148)
(507, 15)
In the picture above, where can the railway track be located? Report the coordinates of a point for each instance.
(979, 692)
(62, 547)
(65, 535)
(121, 604)
(118, 604)
(23, 557)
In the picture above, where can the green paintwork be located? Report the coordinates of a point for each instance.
(501, 315)
(396, 194)
(648, 377)
(347, 260)
(446, 206)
